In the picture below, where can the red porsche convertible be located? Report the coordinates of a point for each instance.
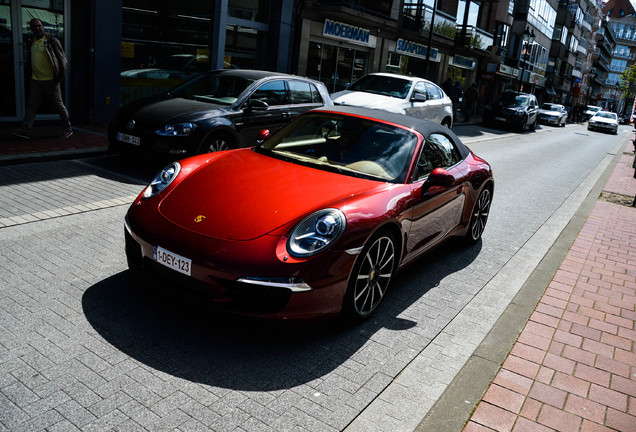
(315, 220)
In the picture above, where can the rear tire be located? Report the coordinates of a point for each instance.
(479, 216)
(371, 276)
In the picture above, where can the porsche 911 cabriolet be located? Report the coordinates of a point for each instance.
(313, 221)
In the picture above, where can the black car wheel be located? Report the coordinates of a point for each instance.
(216, 142)
(479, 217)
(371, 276)
(522, 126)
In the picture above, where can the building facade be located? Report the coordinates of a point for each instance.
(123, 50)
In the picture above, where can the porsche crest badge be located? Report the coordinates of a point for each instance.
(199, 218)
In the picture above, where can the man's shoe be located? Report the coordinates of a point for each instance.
(21, 133)
(67, 134)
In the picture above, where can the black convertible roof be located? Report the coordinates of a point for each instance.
(425, 127)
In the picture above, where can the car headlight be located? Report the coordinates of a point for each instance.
(316, 232)
(162, 180)
(179, 129)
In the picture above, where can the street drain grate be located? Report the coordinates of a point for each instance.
(616, 198)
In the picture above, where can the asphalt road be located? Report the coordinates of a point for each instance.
(85, 345)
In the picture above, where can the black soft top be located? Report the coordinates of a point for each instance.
(425, 127)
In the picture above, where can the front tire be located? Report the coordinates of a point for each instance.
(479, 217)
(371, 276)
(522, 126)
(216, 142)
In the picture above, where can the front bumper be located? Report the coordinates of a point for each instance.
(145, 142)
(217, 266)
(547, 119)
(602, 126)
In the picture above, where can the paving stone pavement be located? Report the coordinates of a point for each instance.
(86, 346)
(573, 367)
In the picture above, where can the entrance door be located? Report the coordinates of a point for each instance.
(15, 39)
(335, 66)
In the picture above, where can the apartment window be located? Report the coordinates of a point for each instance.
(473, 12)
(542, 16)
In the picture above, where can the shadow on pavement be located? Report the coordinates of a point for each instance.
(187, 340)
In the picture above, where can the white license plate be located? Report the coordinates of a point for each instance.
(172, 260)
(128, 138)
(500, 118)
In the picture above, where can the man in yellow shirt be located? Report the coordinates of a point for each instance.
(48, 65)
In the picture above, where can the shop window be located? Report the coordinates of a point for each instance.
(250, 10)
(245, 47)
(337, 67)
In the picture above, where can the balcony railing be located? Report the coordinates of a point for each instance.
(623, 54)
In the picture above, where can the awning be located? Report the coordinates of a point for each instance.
(550, 90)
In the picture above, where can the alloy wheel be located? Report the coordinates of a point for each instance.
(480, 215)
(217, 143)
(373, 276)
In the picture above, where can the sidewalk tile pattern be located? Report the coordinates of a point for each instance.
(573, 367)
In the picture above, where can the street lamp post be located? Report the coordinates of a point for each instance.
(528, 38)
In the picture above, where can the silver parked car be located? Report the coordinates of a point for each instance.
(554, 114)
(412, 96)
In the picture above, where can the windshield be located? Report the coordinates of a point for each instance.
(382, 85)
(550, 107)
(607, 115)
(345, 144)
(508, 99)
(593, 108)
(221, 89)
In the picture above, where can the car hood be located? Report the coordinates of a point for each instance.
(603, 120)
(242, 195)
(367, 100)
(549, 112)
(164, 109)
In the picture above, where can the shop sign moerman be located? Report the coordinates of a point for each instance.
(349, 33)
(414, 49)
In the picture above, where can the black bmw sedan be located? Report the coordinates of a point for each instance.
(214, 111)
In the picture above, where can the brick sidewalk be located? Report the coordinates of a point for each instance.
(573, 367)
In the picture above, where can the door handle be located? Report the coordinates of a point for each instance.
(286, 114)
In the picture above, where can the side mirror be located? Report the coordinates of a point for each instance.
(257, 105)
(418, 97)
(440, 177)
(262, 136)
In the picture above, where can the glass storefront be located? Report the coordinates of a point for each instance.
(15, 39)
(166, 42)
(336, 66)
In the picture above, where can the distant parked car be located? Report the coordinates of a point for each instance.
(624, 119)
(214, 111)
(590, 110)
(605, 121)
(553, 114)
(513, 109)
(413, 96)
